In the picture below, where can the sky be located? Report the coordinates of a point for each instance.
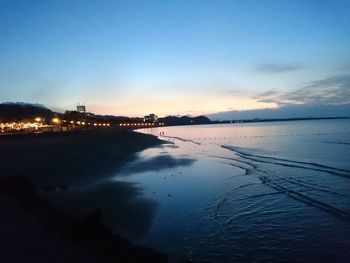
(178, 57)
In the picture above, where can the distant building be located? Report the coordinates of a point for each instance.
(81, 108)
(150, 118)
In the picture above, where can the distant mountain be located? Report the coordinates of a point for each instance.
(20, 111)
(184, 120)
(286, 112)
(24, 104)
(118, 119)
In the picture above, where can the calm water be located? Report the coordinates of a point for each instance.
(260, 192)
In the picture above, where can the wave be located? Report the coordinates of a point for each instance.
(182, 139)
(293, 187)
(307, 199)
(289, 163)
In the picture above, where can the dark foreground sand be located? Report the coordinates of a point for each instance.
(60, 160)
(39, 165)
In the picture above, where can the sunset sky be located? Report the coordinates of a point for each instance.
(174, 56)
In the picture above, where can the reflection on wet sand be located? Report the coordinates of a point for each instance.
(73, 172)
(156, 163)
(122, 208)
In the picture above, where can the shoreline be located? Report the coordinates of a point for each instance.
(60, 160)
(62, 163)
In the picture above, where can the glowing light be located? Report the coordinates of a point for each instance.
(56, 120)
(37, 119)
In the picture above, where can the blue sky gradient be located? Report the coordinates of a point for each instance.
(169, 57)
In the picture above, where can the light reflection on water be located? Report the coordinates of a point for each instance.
(250, 192)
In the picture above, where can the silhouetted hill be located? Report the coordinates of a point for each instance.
(23, 111)
(184, 120)
(118, 119)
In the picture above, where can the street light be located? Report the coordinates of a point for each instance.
(56, 120)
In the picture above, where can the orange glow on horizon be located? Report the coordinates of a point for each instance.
(195, 107)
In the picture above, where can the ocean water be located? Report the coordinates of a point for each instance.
(258, 192)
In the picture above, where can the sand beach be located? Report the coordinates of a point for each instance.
(35, 165)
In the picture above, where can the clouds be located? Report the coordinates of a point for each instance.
(285, 112)
(272, 68)
(333, 90)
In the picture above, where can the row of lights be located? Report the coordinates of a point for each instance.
(54, 120)
(89, 123)
(26, 125)
(19, 126)
(102, 124)
(140, 124)
(58, 121)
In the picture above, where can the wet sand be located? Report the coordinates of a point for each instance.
(62, 160)
(38, 171)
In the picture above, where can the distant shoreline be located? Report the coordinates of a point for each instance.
(275, 120)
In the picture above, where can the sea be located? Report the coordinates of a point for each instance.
(247, 192)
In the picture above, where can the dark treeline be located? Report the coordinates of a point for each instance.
(184, 120)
